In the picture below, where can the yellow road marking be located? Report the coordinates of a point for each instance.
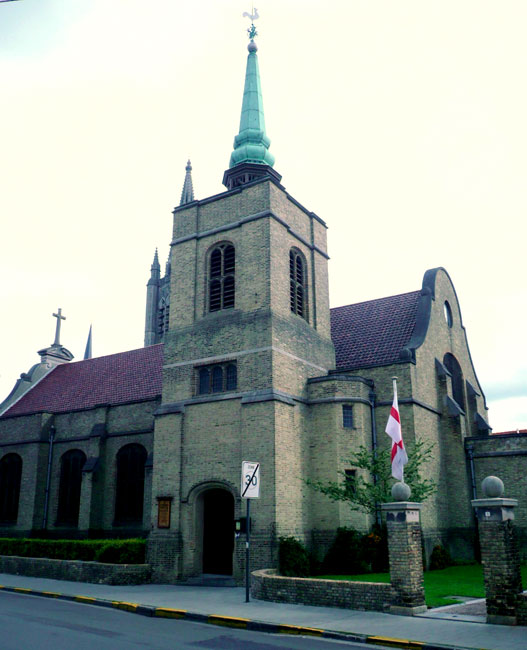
(228, 621)
(167, 612)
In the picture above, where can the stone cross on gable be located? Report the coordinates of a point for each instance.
(59, 317)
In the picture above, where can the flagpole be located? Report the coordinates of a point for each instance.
(396, 399)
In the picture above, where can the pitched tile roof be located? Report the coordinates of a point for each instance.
(366, 334)
(130, 376)
(373, 333)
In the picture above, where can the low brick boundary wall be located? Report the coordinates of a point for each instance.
(76, 571)
(521, 609)
(374, 596)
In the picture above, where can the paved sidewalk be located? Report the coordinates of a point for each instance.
(205, 603)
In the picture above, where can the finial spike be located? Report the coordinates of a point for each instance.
(187, 193)
(88, 350)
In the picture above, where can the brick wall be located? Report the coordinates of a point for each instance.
(76, 571)
(373, 596)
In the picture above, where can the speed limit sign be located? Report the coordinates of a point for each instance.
(250, 480)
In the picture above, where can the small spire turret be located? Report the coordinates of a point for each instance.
(187, 194)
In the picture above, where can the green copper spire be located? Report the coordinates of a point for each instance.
(251, 158)
(252, 144)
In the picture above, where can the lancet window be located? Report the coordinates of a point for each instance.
(10, 476)
(221, 277)
(297, 283)
(130, 485)
(71, 465)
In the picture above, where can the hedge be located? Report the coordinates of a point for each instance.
(111, 551)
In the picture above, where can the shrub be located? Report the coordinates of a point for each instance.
(124, 551)
(346, 554)
(375, 549)
(440, 558)
(293, 558)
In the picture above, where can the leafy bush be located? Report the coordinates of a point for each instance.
(123, 551)
(293, 558)
(353, 552)
(346, 554)
(375, 548)
(440, 558)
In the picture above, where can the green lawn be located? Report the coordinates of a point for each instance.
(463, 580)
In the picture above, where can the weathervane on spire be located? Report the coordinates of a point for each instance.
(254, 16)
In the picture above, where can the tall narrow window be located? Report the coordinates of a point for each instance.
(10, 475)
(232, 377)
(163, 316)
(221, 277)
(453, 367)
(71, 465)
(217, 379)
(347, 416)
(350, 481)
(130, 484)
(297, 283)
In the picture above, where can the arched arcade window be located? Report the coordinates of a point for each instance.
(221, 277)
(71, 465)
(10, 476)
(130, 484)
(453, 367)
(297, 283)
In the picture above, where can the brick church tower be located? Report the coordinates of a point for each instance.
(249, 325)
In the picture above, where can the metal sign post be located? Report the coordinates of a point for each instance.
(250, 490)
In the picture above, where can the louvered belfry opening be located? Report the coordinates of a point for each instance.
(221, 277)
(297, 282)
(71, 466)
(10, 476)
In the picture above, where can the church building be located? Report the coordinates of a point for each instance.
(243, 361)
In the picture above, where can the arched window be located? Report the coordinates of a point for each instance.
(204, 381)
(453, 367)
(217, 379)
(221, 277)
(130, 484)
(10, 475)
(232, 377)
(297, 283)
(71, 465)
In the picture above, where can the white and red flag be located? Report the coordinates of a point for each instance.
(393, 429)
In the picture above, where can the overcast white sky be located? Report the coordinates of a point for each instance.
(402, 123)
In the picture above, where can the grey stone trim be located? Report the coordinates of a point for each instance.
(170, 408)
(413, 402)
(493, 454)
(24, 442)
(472, 392)
(268, 396)
(335, 377)
(239, 353)
(237, 190)
(91, 464)
(244, 220)
(453, 407)
(482, 424)
(338, 400)
(498, 437)
(442, 370)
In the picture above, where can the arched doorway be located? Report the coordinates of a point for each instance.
(218, 531)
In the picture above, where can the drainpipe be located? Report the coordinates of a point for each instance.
(48, 477)
(372, 396)
(470, 454)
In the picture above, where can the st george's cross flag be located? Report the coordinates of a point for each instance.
(393, 429)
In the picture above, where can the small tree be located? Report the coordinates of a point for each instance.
(365, 495)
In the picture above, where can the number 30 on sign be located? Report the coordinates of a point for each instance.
(250, 480)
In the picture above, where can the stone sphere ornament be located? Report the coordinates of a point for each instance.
(492, 487)
(401, 491)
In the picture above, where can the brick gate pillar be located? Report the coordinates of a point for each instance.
(499, 552)
(405, 552)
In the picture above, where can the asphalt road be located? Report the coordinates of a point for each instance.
(31, 623)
